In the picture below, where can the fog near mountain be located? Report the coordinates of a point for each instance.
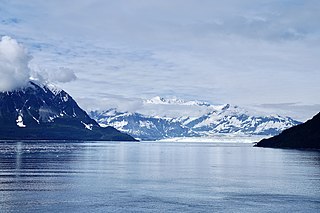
(16, 72)
(167, 107)
(14, 61)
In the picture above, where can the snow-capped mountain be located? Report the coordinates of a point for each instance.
(209, 120)
(142, 126)
(174, 101)
(46, 112)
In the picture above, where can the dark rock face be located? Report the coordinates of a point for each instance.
(42, 113)
(304, 136)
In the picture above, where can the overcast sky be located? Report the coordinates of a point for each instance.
(105, 53)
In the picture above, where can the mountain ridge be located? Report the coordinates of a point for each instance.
(303, 136)
(212, 121)
(40, 112)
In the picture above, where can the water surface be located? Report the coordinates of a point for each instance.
(156, 177)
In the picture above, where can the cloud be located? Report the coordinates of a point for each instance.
(108, 101)
(14, 60)
(15, 71)
(62, 75)
(52, 75)
(298, 111)
(244, 52)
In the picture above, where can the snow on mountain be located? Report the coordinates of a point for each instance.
(142, 126)
(174, 101)
(208, 121)
(38, 111)
(38, 104)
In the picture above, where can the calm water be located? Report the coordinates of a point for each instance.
(156, 177)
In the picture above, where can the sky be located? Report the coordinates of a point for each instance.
(114, 53)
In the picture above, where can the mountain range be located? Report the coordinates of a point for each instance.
(171, 118)
(44, 112)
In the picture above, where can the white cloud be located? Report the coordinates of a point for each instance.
(244, 52)
(294, 110)
(14, 60)
(108, 101)
(62, 75)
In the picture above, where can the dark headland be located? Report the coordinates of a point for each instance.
(302, 136)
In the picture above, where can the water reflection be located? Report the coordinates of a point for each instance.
(163, 177)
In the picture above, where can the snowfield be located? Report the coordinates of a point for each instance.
(180, 120)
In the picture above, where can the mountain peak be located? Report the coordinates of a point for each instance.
(53, 88)
(208, 121)
(174, 101)
(46, 112)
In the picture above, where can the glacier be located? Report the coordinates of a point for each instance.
(180, 120)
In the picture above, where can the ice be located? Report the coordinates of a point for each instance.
(20, 122)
